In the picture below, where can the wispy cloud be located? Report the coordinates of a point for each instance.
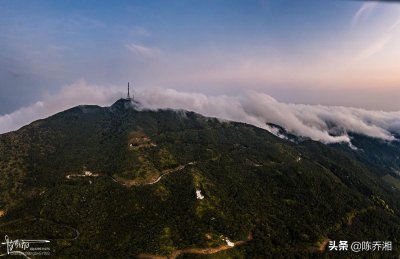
(363, 12)
(142, 50)
(76, 21)
(140, 31)
(381, 42)
(376, 46)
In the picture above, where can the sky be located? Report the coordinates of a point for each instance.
(304, 52)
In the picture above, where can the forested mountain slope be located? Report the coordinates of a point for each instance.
(123, 182)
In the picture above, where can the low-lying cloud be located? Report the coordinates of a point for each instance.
(69, 96)
(328, 124)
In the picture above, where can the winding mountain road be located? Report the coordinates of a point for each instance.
(130, 183)
(203, 251)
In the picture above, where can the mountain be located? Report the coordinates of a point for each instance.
(380, 154)
(125, 182)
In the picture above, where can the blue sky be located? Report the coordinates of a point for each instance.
(306, 51)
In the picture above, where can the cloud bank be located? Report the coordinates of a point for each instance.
(69, 96)
(328, 124)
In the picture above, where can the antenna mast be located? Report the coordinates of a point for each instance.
(129, 97)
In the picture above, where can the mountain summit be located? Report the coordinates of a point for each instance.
(124, 182)
(125, 103)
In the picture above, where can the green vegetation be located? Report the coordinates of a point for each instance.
(394, 182)
(252, 182)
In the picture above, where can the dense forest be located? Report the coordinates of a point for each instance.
(120, 182)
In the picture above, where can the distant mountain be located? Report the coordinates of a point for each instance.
(382, 157)
(122, 182)
(377, 153)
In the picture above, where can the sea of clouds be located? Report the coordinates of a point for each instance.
(328, 124)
